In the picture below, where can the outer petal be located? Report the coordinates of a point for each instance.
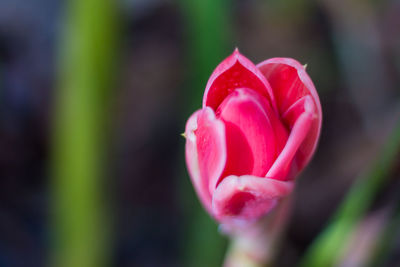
(205, 151)
(295, 94)
(247, 197)
(252, 136)
(235, 71)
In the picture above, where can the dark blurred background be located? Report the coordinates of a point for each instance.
(167, 50)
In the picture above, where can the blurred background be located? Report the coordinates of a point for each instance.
(140, 73)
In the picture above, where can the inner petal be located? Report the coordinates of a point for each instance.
(250, 136)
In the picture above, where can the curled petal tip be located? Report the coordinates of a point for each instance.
(236, 71)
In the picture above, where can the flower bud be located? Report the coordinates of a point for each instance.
(257, 130)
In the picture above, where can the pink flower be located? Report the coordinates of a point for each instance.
(258, 128)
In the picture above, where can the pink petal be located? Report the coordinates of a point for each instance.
(205, 151)
(254, 135)
(234, 72)
(291, 84)
(247, 197)
(300, 142)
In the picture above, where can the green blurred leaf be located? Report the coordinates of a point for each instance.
(387, 239)
(208, 31)
(87, 54)
(330, 245)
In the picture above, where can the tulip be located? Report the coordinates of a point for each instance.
(257, 130)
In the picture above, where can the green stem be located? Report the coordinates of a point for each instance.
(255, 245)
